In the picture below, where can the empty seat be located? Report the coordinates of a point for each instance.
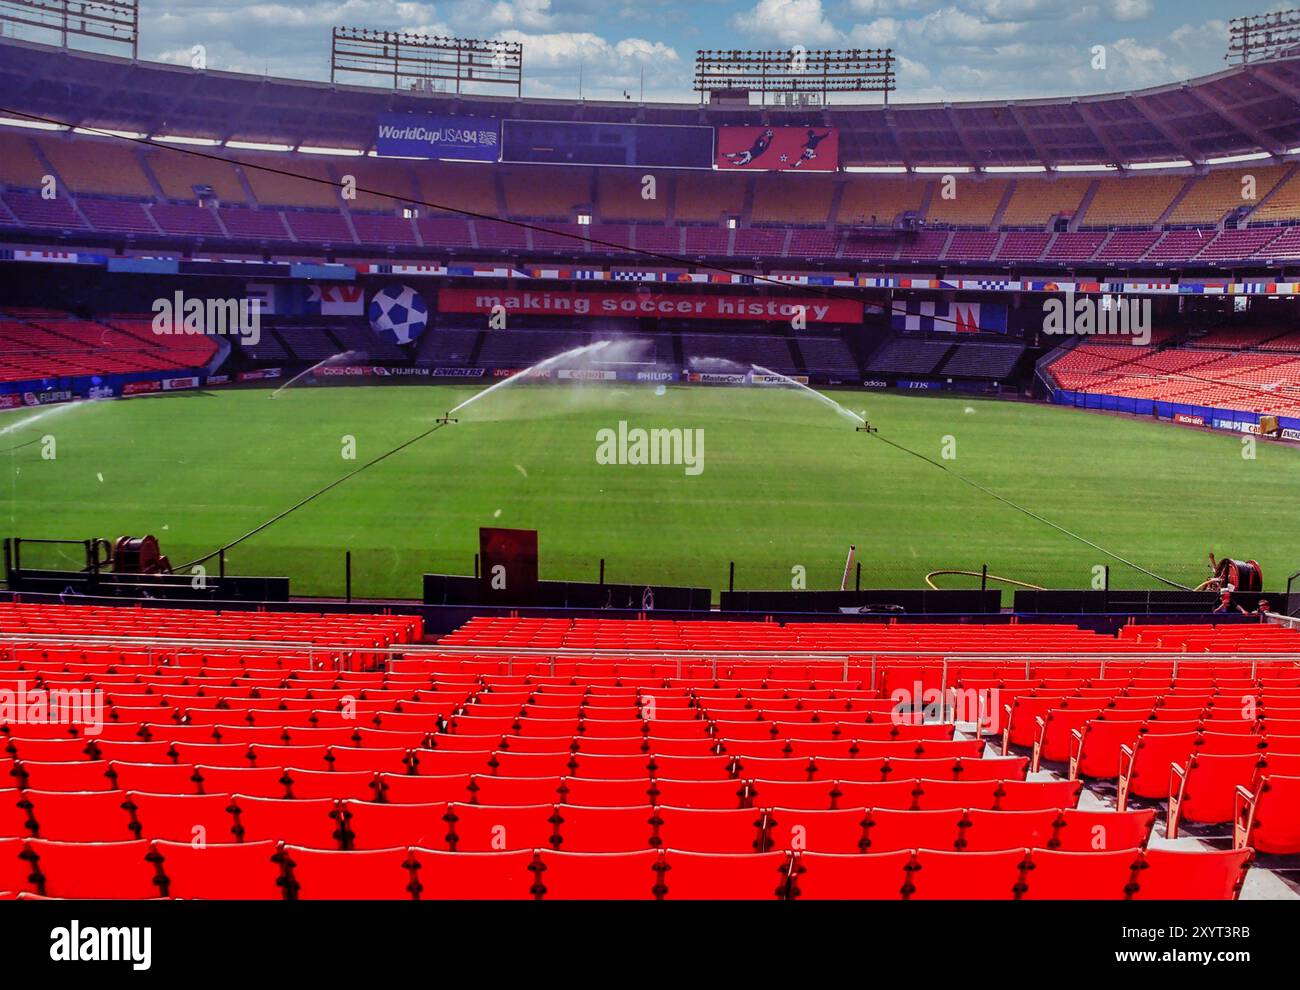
(1268, 818)
(814, 795)
(15, 871)
(484, 828)
(897, 794)
(1098, 831)
(989, 831)
(831, 876)
(384, 826)
(842, 831)
(158, 778)
(82, 775)
(359, 875)
(709, 830)
(79, 816)
(109, 870)
(1144, 767)
(356, 784)
(744, 876)
(976, 876)
(1083, 876)
(487, 876)
(606, 793)
(888, 830)
(593, 875)
(599, 830)
(401, 789)
(222, 870)
(1205, 789)
(1178, 874)
(312, 823)
(700, 793)
(201, 818)
(505, 791)
(264, 782)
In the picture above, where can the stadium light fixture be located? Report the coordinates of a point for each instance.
(115, 22)
(1254, 156)
(1264, 36)
(878, 169)
(1010, 169)
(942, 169)
(308, 149)
(1098, 167)
(796, 76)
(33, 125)
(180, 139)
(257, 146)
(106, 132)
(421, 64)
(1153, 166)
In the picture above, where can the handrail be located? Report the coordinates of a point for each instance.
(435, 650)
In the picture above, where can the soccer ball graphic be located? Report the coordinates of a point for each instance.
(398, 313)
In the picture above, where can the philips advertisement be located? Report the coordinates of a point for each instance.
(432, 135)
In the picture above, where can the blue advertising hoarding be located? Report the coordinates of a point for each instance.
(433, 135)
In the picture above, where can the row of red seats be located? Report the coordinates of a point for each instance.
(96, 815)
(351, 822)
(269, 870)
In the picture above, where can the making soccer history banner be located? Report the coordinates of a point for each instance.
(433, 135)
(664, 305)
(758, 149)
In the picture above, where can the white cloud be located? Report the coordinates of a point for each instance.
(1131, 10)
(791, 22)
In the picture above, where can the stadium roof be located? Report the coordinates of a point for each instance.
(1241, 111)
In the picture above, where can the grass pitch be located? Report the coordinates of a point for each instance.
(786, 484)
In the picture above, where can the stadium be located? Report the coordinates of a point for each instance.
(429, 494)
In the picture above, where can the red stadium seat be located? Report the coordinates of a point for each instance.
(1268, 818)
(602, 830)
(1177, 874)
(708, 830)
(842, 831)
(713, 794)
(1205, 789)
(15, 815)
(1038, 795)
(345, 759)
(313, 823)
(1081, 876)
(504, 791)
(159, 778)
(490, 876)
(385, 826)
(80, 816)
(605, 876)
(222, 871)
(1098, 831)
(744, 876)
(814, 794)
(202, 818)
(83, 775)
(357, 785)
(401, 789)
(977, 876)
(889, 831)
(108, 870)
(266, 782)
(482, 828)
(15, 871)
(989, 831)
(830, 876)
(1145, 766)
(605, 793)
(362, 875)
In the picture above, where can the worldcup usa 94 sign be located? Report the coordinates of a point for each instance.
(794, 149)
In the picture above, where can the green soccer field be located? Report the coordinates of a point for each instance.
(786, 483)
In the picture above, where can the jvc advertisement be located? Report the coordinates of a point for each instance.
(432, 135)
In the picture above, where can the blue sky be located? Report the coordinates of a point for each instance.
(948, 49)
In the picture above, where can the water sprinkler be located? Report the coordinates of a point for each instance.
(865, 428)
(443, 421)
